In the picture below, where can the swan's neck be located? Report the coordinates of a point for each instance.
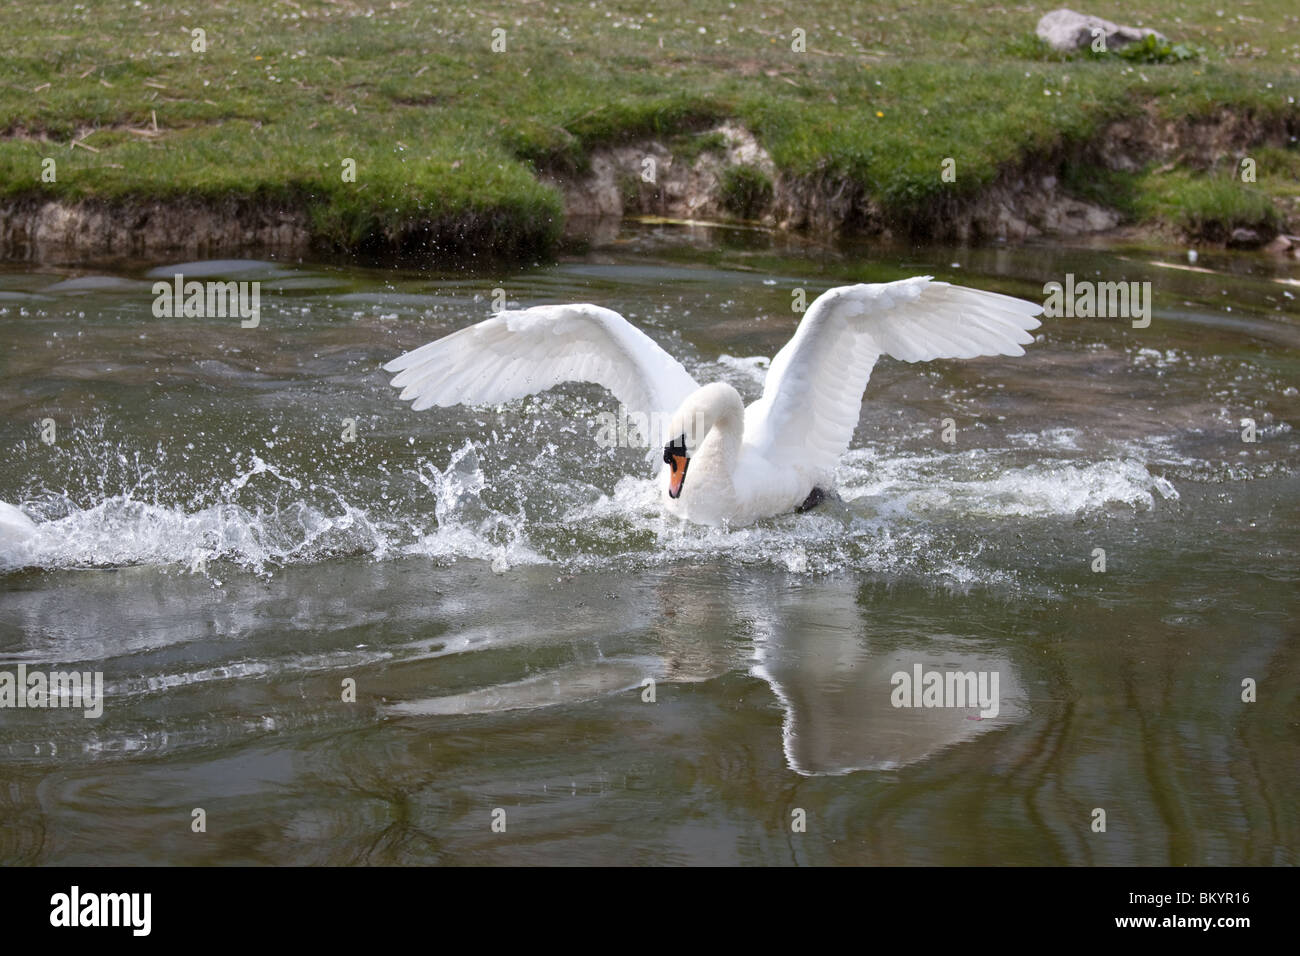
(721, 447)
(723, 416)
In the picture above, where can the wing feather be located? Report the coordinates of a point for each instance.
(522, 352)
(813, 392)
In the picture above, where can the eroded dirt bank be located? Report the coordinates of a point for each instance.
(55, 230)
(715, 174)
(1023, 201)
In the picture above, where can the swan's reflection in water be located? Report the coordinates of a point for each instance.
(835, 675)
(836, 682)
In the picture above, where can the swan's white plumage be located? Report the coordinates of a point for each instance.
(765, 460)
(522, 352)
(813, 391)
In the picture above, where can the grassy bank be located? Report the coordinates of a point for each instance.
(448, 136)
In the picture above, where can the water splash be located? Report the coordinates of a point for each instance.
(490, 503)
(467, 528)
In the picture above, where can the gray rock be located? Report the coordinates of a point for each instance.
(1066, 30)
(1279, 245)
(615, 185)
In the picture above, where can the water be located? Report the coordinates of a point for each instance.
(500, 588)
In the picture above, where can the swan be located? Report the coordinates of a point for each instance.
(725, 463)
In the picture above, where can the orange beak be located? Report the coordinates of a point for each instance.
(679, 464)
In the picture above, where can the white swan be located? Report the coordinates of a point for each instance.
(744, 464)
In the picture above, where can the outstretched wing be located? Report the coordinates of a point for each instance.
(522, 352)
(813, 391)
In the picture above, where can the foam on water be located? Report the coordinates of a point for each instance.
(1041, 489)
(896, 514)
(121, 531)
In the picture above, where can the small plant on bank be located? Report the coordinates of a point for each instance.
(746, 192)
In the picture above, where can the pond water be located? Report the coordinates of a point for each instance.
(500, 588)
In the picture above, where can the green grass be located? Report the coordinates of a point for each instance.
(691, 146)
(1198, 204)
(1206, 207)
(449, 136)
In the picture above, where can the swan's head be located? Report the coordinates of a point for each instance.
(677, 458)
(702, 411)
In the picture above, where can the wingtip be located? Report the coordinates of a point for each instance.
(402, 362)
